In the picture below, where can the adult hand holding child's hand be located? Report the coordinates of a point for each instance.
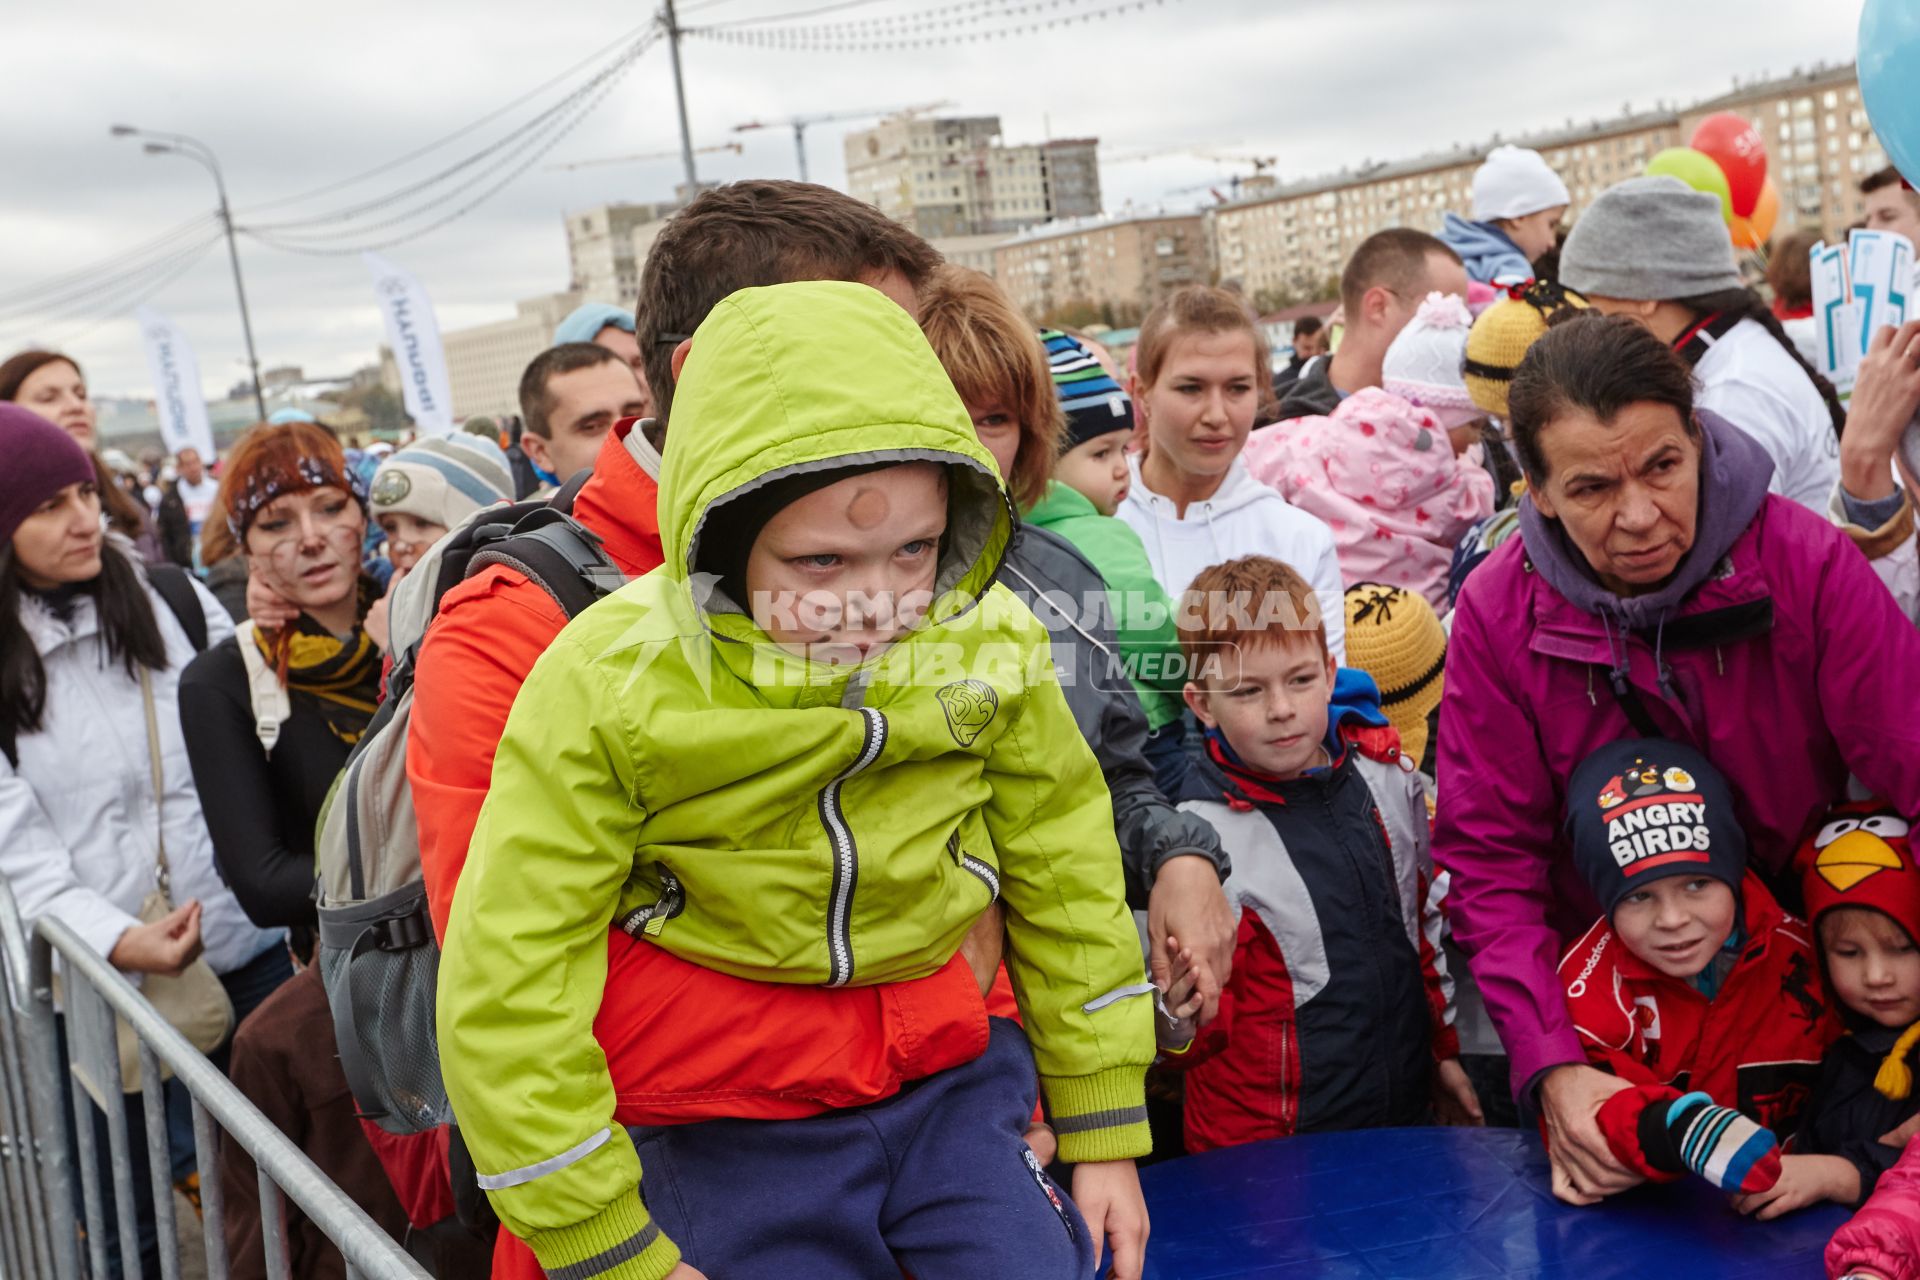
(1585, 1171)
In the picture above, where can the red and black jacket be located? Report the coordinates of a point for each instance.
(1336, 1011)
(1755, 1046)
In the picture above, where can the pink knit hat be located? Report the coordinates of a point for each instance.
(1423, 366)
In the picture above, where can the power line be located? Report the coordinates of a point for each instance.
(81, 291)
(112, 298)
(124, 307)
(113, 265)
(611, 72)
(464, 130)
(534, 158)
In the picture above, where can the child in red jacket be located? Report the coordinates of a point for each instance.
(1336, 1015)
(1863, 897)
(1694, 986)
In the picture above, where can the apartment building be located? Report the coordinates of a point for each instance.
(955, 177)
(601, 248)
(1115, 268)
(1296, 239)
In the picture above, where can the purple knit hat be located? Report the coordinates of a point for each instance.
(41, 459)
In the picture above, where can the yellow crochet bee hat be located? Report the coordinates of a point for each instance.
(1394, 636)
(1502, 333)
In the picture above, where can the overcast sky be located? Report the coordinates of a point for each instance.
(294, 95)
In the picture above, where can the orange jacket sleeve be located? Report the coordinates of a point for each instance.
(683, 1043)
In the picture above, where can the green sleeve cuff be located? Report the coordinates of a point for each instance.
(1100, 1117)
(619, 1243)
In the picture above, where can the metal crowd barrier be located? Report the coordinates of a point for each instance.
(39, 1235)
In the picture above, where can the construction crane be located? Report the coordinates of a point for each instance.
(1260, 163)
(636, 158)
(799, 124)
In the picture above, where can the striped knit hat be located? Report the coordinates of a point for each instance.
(1094, 403)
(442, 479)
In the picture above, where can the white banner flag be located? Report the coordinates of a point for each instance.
(176, 385)
(415, 338)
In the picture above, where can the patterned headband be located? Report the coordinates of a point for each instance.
(261, 489)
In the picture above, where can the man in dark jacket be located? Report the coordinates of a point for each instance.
(184, 506)
(1385, 281)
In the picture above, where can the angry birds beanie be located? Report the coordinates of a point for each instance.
(1861, 857)
(1643, 809)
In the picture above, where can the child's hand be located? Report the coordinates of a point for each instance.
(1108, 1196)
(1804, 1180)
(267, 608)
(1180, 1001)
(684, 1272)
(983, 946)
(1454, 1101)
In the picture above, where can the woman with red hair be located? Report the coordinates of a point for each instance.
(270, 715)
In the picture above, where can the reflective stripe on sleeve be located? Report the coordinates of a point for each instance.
(552, 1164)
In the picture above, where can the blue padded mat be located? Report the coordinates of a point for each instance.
(1447, 1204)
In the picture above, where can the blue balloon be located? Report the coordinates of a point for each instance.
(1889, 68)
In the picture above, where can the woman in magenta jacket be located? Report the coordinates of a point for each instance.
(1656, 590)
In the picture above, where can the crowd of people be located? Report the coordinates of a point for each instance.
(1004, 763)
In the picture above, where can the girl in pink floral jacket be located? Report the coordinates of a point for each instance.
(1382, 470)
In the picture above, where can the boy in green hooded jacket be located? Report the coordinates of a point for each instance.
(811, 748)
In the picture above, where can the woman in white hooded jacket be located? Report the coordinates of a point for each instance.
(1192, 500)
(84, 639)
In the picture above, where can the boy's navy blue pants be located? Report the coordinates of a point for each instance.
(936, 1180)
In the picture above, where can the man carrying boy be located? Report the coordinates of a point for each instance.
(811, 749)
(1336, 1015)
(1694, 987)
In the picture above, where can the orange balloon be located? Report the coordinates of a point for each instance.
(1766, 212)
(1750, 232)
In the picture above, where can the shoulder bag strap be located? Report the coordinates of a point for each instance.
(158, 773)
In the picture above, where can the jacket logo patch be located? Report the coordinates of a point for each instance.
(969, 705)
(1646, 1015)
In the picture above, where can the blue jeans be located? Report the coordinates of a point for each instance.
(937, 1180)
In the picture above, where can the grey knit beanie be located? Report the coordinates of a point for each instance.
(1650, 239)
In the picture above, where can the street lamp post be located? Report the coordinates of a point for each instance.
(178, 144)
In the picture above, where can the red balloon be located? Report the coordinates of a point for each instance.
(1738, 149)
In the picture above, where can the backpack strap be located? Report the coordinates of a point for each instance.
(265, 694)
(559, 555)
(171, 584)
(563, 498)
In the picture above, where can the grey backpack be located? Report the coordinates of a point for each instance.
(378, 956)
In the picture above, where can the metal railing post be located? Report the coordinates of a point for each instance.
(38, 1235)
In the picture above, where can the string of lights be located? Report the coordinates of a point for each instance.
(824, 40)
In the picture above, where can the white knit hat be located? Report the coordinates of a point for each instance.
(1513, 183)
(442, 479)
(1424, 364)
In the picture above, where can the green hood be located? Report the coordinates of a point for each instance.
(812, 376)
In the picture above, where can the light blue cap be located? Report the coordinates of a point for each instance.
(588, 319)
